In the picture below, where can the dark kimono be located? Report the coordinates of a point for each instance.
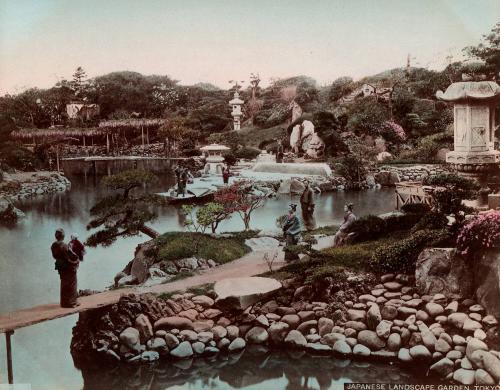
(291, 230)
(307, 206)
(66, 264)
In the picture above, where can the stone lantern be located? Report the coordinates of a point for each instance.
(235, 104)
(474, 125)
(214, 154)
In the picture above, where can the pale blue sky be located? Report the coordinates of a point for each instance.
(218, 40)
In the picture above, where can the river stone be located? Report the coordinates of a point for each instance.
(240, 293)
(236, 345)
(356, 315)
(394, 342)
(130, 337)
(487, 361)
(198, 347)
(203, 301)
(465, 363)
(389, 312)
(202, 325)
(393, 286)
(420, 353)
(361, 350)
(373, 317)
(341, 347)
(457, 319)
(205, 337)
(404, 355)
(317, 348)
(313, 338)
(465, 377)
(157, 344)
(451, 308)
(295, 339)
(325, 325)
(332, 338)
(480, 334)
(277, 331)
(232, 332)
(475, 316)
(442, 346)
(144, 326)
(293, 320)
(442, 368)
(220, 332)
(458, 340)
(428, 339)
(183, 350)
(489, 320)
(471, 325)
(257, 335)
(383, 329)
(370, 339)
(481, 377)
(171, 341)
(349, 332)
(474, 345)
(173, 323)
(188, 335)
(434, 309)
(356, 325)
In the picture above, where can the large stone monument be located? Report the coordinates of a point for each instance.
(474, 125)
(235, 104)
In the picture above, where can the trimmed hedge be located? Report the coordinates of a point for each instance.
(401, 256)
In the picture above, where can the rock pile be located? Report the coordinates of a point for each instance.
(389, 322)
(390, 175)
(38, 183)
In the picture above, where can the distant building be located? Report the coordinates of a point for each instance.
(82, 111)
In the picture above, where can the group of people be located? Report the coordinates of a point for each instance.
(67, 259)
(292, 227)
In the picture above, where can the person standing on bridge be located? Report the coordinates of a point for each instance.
(66, 264)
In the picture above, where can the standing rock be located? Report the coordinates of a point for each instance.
(325, 325)
(420, 353)
(373, 316)
(257, 335)
(370, 339)
(394, 342)
(144, 326)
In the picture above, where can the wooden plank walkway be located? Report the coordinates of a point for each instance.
(249, 265)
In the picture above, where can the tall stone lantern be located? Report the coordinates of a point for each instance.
(235, 104)
(474, 125)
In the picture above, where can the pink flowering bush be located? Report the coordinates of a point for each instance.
(480, 233)
(393, 132)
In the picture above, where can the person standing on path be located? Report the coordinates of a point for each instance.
(307, 206)
(225, 175)
(291, 231)
(279, 152)
(66, 264)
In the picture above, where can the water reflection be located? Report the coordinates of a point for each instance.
(254, 368)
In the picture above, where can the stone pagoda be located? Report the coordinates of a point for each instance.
(236, 104)
(474, 125)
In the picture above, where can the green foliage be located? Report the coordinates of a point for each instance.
(449, 192)
(341, 87)
(230, 158)
(489, 52)
(371, 227)
(427, 147)
(402, 255)
(206, 216)
(416, 208)
(191, 152)
(366, 116)
(128, 180)
(246, 153)
(180, 245)
(353, 168)
(431, 220)
(327, 127)
(16, 156)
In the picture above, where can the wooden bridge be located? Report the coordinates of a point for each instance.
(410, 192)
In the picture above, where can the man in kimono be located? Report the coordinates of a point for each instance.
(291, 231)
(307, 206)
(66, 264)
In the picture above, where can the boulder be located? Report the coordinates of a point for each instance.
(356, 315)
(236, 345)
(370, 339)
(144, 326)
(239, 293)
(442, 368)
(387, 178)
(361, 350)
(465, 377)
(232, 332)
(293, 320)
(457, 319)
(205, 337)
(443, 270)
(373, 316)
(389, 312)
(173, 323)
(306, 326)
(198, 347)
(420, 353)
(383, 329)
(341, 347)
(332, 338)
(325, 325)
(171, 340)
(474, 345)
(257, 335)
(277, 331)
(481, 377)
(295, 339)
(394, 342)
(130, 337)
(183, 350)
(404, 355)
(487, 361)
(203, 301)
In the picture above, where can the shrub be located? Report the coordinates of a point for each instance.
(246, 153)
(403, 221)
(17, 156)
(401, 256)
(191, 152)
(368, 227)
(230, 158)
(480, 233)
(431, 220)
(415, 208)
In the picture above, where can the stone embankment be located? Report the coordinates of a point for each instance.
(455, 340)
(24, 185)
(388, 175)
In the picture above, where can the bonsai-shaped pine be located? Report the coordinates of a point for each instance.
(450, 190)
(208, 215)
(123, 214)
(242, 198)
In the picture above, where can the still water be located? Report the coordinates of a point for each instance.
(27, 276)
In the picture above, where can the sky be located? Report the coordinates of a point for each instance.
(214, 41)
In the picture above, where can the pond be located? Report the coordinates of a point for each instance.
(28, 278)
